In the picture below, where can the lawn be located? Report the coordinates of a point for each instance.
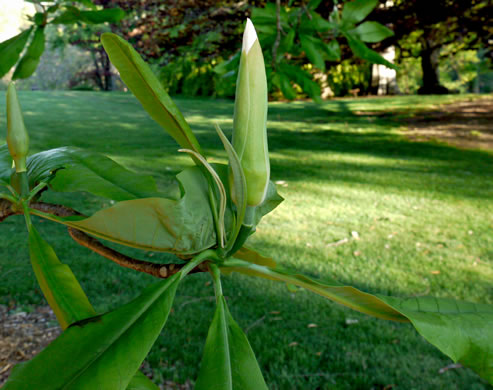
(362, 205)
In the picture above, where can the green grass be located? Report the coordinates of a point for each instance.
(423, 213)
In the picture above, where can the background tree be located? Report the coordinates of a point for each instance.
(422, 29)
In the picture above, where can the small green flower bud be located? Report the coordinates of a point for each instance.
(249, 126)
(17, 137)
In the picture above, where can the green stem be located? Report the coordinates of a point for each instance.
(200, 258)
(24, 184)
(216, 277)
(36, 189)
(27, 216)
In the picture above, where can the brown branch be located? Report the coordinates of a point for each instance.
(154, 269)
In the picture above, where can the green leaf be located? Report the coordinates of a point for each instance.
(5, 165)
(238, 185)
(11, 49)
(328, 288)
(248, 254)
(362, 51)
(286, 88)
(286, 44)
(102, 352)
(313, 4)
(228, 362)
(372, 32)
(311, 23)
(461, 330)
(148, 90)
(312, 47)
(183, 226)
(71, 169)
(303, 79)
(356, 10)
(59, 285)
(69, 16)
(271, 201)
(110, 15)
(64, 293)
(29, 62)
(332, 50)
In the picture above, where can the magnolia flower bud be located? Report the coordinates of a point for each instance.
(249, 126)
(17, 137)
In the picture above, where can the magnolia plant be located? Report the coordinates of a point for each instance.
(205, 219)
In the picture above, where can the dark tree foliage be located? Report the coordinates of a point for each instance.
(434, 24)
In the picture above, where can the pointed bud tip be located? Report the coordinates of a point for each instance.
(249, 36)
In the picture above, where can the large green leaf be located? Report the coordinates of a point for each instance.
(11, 49)
(461, 330)
(102, 352)
(86, 171)
(59, 285)
(362, 51)
(372, 32)
(148, 90)
(182, 226)
(356, 10)
(29, 62)
(64, 293)
(228, 362)
(5, 165)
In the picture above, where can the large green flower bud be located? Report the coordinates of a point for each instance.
(249, 127)
(17, 137)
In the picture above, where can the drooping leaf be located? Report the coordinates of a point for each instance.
(71, 169)
(364, 52)
(29, 62)
(182, 226)
(248, 254)
(312, 48)
(228, 362)
(11, 49)
(110, 15)
(102, 352)
(372, 32)
(59, 285)
(461, 330)
(148, 90)
(5, 165)
(331, 289)
(355, 11)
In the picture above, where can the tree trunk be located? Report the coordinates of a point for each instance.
(429, 65)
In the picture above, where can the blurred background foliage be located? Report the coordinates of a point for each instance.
(309, 45)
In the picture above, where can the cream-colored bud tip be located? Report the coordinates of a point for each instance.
(249, 36)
